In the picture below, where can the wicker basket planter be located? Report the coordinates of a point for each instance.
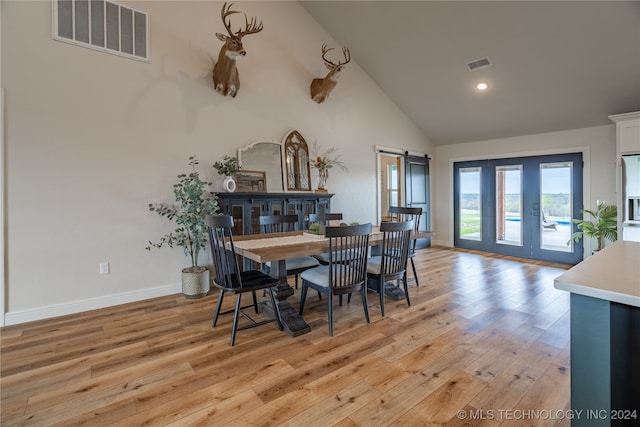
(195, 282)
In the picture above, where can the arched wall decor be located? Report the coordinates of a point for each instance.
(296, 162)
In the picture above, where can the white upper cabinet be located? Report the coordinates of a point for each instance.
(627, 132)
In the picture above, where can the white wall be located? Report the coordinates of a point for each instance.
(92, 138)
(599, 155)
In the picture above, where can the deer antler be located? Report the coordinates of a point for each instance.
(225, 13)
(250, 27)
(326, 49)
(347, 56)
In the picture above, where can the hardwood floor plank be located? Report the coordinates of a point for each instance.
(394, 403)
(335, 407)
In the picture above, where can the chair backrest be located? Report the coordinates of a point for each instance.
(278, 223)
(348, 253)
(223, 253)
(324, 218)
(396, 239)
(401, 213)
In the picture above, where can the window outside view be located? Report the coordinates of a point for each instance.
(555, 205)
(470, 202)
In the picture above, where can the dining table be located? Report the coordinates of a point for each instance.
(276, 248)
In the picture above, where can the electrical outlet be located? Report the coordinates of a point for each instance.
(104, 268)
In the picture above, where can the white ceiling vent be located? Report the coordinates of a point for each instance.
(479, 63)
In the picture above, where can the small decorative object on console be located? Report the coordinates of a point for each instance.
(323, 161)
(228, 167)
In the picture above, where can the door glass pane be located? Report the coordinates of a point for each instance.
(470, 203)
(555, 206)
(509, 205)
(392, 185)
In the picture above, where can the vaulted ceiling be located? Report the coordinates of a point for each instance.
(555, 65)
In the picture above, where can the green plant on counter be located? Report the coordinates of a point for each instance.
(188, 214)
(604, 225)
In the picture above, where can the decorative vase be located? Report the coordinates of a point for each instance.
(229, 184)
(195, 282)
(323, 175)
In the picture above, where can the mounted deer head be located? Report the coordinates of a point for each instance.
(225, 74)
(321, 88)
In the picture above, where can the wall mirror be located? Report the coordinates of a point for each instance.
(264, 156)
(296, 162)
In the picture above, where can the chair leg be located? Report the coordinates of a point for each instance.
(364, 303)
(215, 316)
(381, 292)
(235, 319)
(413, 266)
(296, 281)
(330, 313)
(303, 296)
(276, 309)
(255, 302)
(406, 290)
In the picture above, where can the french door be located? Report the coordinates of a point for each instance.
(520, 206)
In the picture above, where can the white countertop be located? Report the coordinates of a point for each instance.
(612, 274)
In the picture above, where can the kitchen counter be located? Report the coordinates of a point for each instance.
(612, 274)
(605, 336)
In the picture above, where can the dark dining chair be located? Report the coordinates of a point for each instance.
(346, 271)
(229, 279)
(325, 219)
(279, 223)
(400, 213)
(392, 263)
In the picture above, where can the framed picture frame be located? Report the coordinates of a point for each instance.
(248, 181)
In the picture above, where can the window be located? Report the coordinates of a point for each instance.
(102, 25)
(470, 203)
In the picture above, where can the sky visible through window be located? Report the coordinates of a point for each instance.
(556, 180)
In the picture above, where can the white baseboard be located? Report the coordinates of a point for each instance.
(445, 243)
(14, 318)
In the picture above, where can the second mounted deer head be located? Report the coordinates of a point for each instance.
(225, 74)
(321, 88)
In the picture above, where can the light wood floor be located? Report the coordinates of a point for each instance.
(485, 335)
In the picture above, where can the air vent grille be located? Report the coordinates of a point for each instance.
(102, 25)
(479, 63)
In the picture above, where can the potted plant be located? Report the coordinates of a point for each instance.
(191, 232)
(323, 161)
(228, 167)
(603, 225)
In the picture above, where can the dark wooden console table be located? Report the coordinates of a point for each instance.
(247, 207)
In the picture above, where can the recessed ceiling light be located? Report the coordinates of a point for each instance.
(482, 86)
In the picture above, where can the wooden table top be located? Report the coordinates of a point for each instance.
(278, 246)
